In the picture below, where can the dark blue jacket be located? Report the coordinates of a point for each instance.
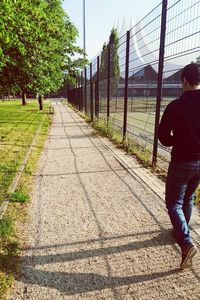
(180, 127)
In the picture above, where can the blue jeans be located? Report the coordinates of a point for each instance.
(182, 181)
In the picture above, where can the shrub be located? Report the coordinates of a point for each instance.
(18, 196)
(6, 227)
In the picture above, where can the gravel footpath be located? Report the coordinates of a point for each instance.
(96, 230)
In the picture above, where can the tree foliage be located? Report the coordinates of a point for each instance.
(114, 44)
(114, 60)
(103, 70)
(37, 46)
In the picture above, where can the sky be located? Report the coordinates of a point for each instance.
(102, 15)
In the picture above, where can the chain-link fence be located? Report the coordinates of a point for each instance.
(138, 74)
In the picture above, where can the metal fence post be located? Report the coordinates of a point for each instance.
(126, 83)
(81, 108)
(97, 91)
(85, 90)
(159, 79)
(91, 93)
(108, 85)
(78, 89)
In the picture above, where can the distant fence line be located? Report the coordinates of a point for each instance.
(150, 57)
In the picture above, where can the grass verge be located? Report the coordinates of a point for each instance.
(18, 126)
(107, 129)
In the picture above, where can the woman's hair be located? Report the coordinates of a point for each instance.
(191, 73)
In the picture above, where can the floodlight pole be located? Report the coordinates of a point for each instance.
(84, 40)
(85, 71)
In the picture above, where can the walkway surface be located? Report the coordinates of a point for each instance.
(98, 225)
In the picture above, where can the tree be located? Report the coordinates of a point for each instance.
(103, 70)
(37, 46)
(114, 61)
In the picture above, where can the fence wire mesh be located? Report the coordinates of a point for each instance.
(112, 77)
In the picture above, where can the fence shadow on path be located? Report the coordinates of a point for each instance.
(75, 283)
(163, 238)
(78, 282)
(103, 239)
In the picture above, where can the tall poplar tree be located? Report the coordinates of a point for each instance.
(114, 61)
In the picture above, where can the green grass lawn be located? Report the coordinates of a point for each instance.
(135, 104)
(140, 115)
(141, 122)
(18, 125)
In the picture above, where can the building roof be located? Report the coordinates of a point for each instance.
(147, 73)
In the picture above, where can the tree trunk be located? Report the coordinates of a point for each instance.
(23, 98)
(40, 102)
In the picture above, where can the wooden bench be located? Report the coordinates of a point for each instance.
(50, 110)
